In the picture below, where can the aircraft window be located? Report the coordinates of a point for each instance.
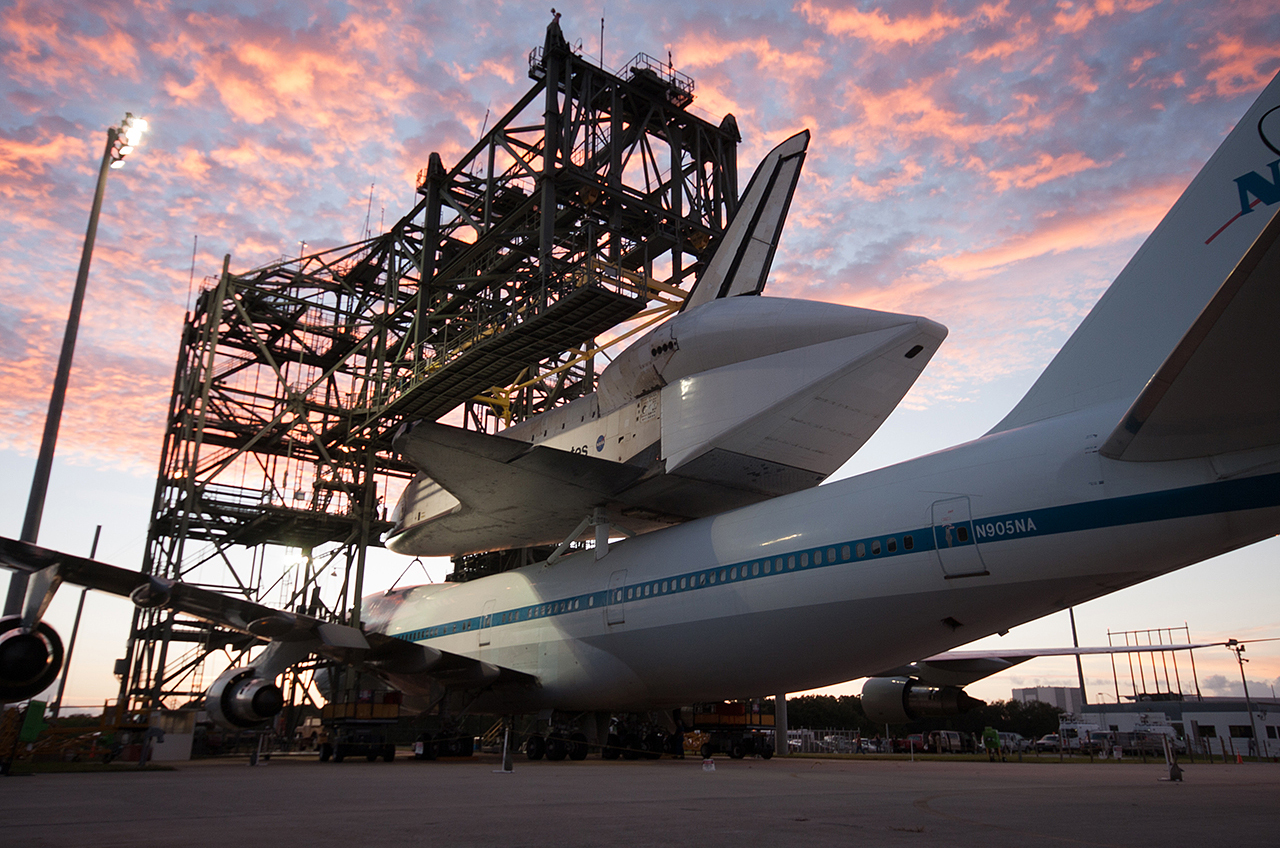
(862, 550)
(713, 578)
(791, 563)
(962, 533)
(702, 580)
(892, 544)
(646, 591)
(629, 594)
(844, 552)
(831, 555)
(804, 560)
(664, 586)
(755, 569)
(591, 601)
(733, 573)
(768, 565)
(722, 575)
(817, 557)
(683, 582)
(875, 547)
(908, 543)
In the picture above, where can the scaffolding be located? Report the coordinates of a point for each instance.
(577, 220)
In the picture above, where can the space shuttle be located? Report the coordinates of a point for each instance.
(736, 399)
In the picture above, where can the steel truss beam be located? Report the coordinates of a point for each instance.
(578, 219)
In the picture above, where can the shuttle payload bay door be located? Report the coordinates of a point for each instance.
(954, 540)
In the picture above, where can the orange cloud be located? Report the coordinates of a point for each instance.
(1043, 170)
(879, 27)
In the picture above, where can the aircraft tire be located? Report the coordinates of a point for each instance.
(578, 747)
(612, 747)
(535, 747)
(557, 749)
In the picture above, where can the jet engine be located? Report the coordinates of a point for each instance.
(30, 658)
(241, 699)
(897, 700)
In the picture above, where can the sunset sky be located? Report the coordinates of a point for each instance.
(988, 165)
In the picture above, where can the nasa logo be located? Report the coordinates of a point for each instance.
(1255, 184)
(599, 444)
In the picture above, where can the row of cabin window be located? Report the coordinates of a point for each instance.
(769, 566)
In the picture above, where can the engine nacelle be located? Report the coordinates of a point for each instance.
(897, 700)
(239, 699)
(30, 658)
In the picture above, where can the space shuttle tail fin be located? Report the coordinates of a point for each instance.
(741, 263)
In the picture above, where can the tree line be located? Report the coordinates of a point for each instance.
(1032, 719)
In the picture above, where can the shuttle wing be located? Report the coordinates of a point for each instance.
(505, 493)
(1219, 390)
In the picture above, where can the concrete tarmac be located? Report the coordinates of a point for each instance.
(782, 802)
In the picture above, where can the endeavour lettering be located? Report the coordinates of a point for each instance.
(1006, 527)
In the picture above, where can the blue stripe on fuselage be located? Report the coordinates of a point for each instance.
(1208, 499)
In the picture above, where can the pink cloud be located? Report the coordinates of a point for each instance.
(879, 27)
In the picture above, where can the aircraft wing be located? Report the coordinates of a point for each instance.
(1219, 391)
(378, 652)
(960, 668)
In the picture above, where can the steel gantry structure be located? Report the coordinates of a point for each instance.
(577, 220)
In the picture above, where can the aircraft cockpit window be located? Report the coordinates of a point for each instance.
(862, 550)
(908, 543)
(892, 544)
(875, 547)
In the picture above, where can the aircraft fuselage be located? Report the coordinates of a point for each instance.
(852, 577)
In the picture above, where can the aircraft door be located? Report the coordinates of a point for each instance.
(615, 611)
(486, 621)
(954, 540)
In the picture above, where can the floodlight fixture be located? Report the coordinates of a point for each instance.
(124, 139)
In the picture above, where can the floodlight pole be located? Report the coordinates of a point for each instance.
(44, 462)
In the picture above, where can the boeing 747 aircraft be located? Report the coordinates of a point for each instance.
(1150, 442)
